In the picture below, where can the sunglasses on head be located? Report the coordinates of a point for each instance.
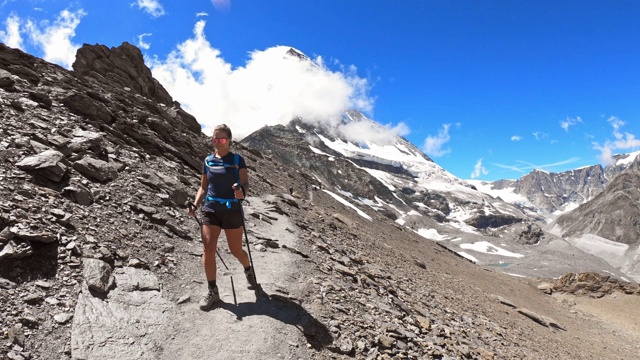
(220, 140)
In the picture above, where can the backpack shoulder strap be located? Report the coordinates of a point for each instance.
(236, 162)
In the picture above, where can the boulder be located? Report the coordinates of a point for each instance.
(47, 163)
(97, 275)
(95, 169)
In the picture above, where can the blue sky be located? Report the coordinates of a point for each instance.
(488, 89)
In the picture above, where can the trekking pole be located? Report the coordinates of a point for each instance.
(246, 238)
(233, 288)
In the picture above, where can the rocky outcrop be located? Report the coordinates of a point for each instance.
(484, 221)
(589, 284)
(19, 64)
(121, 66)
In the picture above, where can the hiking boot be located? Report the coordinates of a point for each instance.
(208, 300)
(251, 279)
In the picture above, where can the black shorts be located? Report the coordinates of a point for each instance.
(231, 219)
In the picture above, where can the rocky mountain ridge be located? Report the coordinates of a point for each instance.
(552, 193)
(392, 177)
(592, 209)
(607, 225)
(406, 185)
(99, 257)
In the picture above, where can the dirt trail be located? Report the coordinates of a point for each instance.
(269, 326)
(620, 312)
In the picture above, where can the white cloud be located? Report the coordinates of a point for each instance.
(401, 129)
(11, 37)
(478, 169)
(141, 43)
(511, 167)
(516, 138)
(202, 14)
(623, 141)
(558, 163)
(539, 135)
(221, 4)
(270, 89)
(570, 122)
(151, 7)
(616, 124)
(55, 39)
(373, 132)
(433, 144)
(525, 166)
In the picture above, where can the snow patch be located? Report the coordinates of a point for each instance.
(516, 275)
(629, 159)
(468, 256)
(346, 203)
(384, 177)
(488, 248)
(506, 194)
(567, 207)
(318, 151)
(430, 234)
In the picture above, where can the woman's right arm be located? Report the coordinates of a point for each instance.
(202, 191)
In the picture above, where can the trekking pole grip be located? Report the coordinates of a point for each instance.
(192, 207)
(189, 205)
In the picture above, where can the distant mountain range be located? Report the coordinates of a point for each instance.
(594, 208)
(489, 223)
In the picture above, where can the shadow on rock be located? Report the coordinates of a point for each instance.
(286, 310)
(42, 264)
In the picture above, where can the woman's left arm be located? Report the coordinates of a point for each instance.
(244, 180)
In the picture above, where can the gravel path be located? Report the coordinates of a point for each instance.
(264, 327)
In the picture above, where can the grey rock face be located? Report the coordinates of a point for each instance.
(120, 326)
(612, 214)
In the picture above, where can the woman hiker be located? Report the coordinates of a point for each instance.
(221, 210)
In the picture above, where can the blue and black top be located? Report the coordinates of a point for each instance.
(222, 173)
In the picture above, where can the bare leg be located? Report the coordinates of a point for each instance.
(234, 239)
(210, 234)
